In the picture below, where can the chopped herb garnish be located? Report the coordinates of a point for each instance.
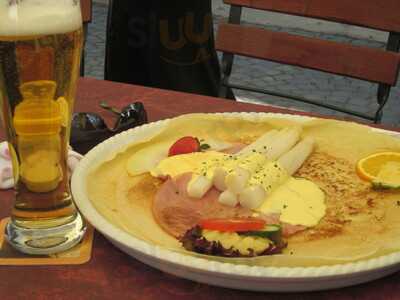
(204, 146)
(285, 206)
(398, 203)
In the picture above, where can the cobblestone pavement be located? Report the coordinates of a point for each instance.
(345, 92)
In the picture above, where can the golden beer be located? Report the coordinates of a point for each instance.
(39, 67)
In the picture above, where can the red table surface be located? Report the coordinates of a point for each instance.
(112, 274)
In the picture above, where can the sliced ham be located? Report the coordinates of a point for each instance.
(270, 219)
(289, 229)
(176, 212)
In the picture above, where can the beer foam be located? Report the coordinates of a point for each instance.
(39, 17)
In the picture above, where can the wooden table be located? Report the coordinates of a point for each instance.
(112, 274)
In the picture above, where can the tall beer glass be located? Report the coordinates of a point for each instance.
(40, 50)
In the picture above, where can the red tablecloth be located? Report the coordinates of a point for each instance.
(112, 274)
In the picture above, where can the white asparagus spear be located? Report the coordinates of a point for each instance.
(219, 179)
(273, 174)
(252, 196)
(280, 143)
(240, 170)
(237, 180)
(198, 186)
(228, 198)
(262, 143)
(283, 142)
(268, 178)
(274, 143)
(295, 158)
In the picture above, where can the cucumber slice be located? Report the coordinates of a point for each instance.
(272, 232)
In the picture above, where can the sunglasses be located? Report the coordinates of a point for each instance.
(89, 129)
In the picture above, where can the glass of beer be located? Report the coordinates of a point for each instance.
(40, 51)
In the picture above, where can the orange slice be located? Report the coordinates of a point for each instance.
(369, 167)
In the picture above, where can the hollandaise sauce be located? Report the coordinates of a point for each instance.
(298, 201)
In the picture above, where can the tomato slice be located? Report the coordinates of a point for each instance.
(187, 144)
(236, 225)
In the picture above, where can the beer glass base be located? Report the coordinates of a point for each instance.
(45, 241)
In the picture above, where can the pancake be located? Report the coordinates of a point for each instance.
(360, 222)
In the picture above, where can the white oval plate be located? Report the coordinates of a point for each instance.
(212, 272)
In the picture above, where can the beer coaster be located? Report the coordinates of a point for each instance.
(79, 254)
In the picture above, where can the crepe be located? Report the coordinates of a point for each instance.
(360, 223)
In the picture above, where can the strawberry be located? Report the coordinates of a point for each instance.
(187, 144)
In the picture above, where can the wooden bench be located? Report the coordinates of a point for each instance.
(374, 65)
